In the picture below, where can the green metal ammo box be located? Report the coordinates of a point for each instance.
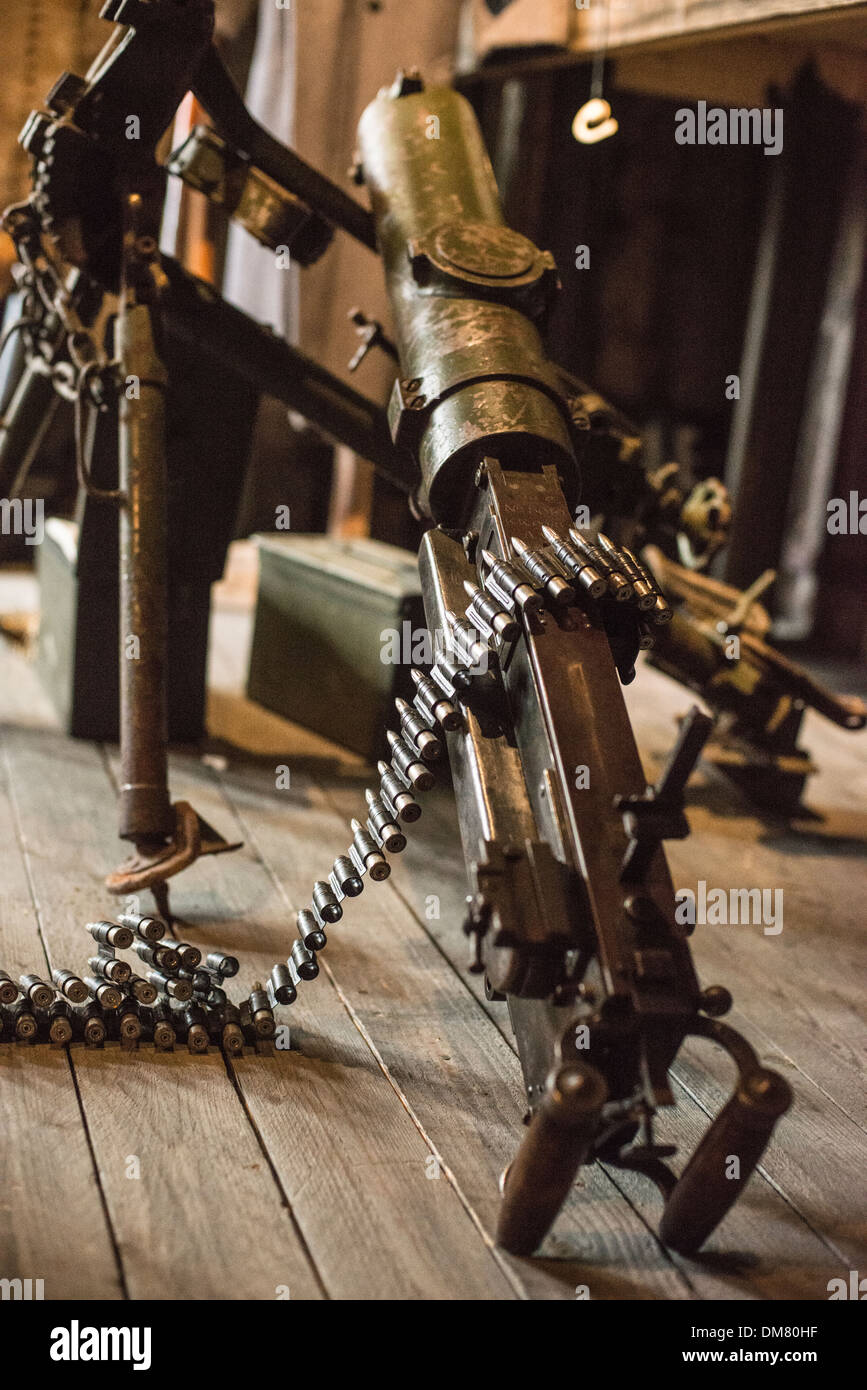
(326, 614)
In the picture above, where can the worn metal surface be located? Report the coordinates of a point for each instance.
(569, 713)
(465, 291)
(752, 679)
(528, 934)
(144, 808)
(270, 213)
(167, 838)
(217, 93)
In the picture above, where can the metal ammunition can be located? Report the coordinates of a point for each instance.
(338, 619)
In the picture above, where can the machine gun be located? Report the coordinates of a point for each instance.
(571, 912)
(717, 645)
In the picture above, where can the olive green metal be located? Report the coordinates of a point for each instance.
(465, 292)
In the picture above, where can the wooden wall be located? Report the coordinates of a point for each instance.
(659, 320)
(656, 321)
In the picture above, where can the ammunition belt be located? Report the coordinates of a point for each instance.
(180, 997)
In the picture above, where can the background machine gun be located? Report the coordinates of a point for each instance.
(571, 913)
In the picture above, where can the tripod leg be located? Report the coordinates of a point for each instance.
(166, 838)
(146, 815)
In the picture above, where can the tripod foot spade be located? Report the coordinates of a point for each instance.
(151, 864)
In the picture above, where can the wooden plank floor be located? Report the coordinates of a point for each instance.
(363, 1163)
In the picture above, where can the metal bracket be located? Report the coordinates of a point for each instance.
(372, 335)
(192, 838)
(658, 814)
